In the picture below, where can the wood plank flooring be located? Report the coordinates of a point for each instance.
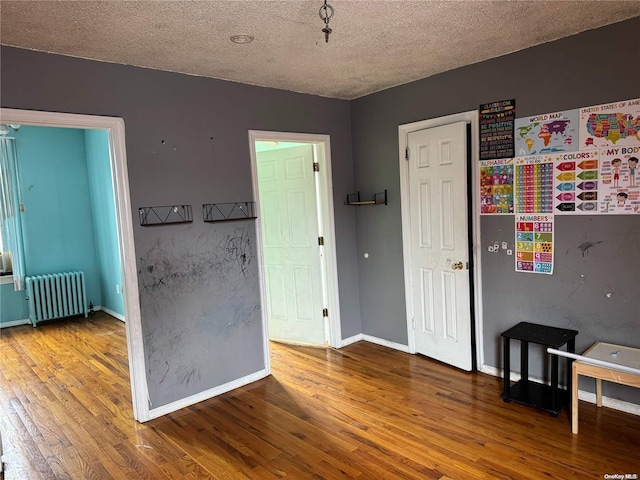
(361, 412)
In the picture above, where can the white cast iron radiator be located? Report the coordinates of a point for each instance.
(56, 295)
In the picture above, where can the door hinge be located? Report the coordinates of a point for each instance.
(406, 154)
(316, 167)
(325, 312)
(320, 241)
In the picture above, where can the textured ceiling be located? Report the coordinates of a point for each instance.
(374, 45)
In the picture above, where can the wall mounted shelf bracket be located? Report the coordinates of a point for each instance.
(166, 214)
(226, 212)
(379, 198)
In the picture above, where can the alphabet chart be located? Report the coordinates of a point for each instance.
(496, 186)
(534, 243)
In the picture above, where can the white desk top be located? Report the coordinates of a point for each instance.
(614, 354)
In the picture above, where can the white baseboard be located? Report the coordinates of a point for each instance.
(110, 312)
(386, 343)
(206, 395)
(350, 340)
(376, 340)
(614, 403)
(15, 323)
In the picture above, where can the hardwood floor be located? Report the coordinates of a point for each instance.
(364, 412)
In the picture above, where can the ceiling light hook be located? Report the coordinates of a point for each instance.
(326, 13)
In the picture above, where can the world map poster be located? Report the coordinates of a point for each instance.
(548, 133)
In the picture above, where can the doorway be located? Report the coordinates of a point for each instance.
(117, 153)
(296, 237)
(441, 267)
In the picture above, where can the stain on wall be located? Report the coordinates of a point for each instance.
(200, 299)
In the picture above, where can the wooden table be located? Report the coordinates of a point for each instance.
(613, 355)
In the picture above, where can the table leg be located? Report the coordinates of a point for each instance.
(571, 348)
(506, 365)
(524, 362)
(598, 392)
(574, 400)
(554, 383)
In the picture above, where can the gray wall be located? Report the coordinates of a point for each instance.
(187, 143)
(190, 167)
(574, 72)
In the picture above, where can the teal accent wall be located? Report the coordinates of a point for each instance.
(13, 305)
(57, 221)
(103, 213)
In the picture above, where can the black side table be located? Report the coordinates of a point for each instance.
(545, 397)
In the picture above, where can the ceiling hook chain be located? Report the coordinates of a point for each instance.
(326, 13)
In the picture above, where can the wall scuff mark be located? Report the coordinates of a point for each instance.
(585, 246)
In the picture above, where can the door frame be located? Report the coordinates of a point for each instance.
(120, 178)
(322, 148)
(471, 118)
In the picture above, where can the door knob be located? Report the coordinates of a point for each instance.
(457, 266)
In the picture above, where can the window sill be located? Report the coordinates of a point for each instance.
(6, 279)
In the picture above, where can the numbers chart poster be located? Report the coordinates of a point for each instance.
(496, 186)
(534, 243)
(533, 184)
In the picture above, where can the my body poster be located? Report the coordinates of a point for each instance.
(496, 129)
(534, 243)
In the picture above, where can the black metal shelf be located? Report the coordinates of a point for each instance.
(227, 212)
(379, 198)
(538, 395)
(162, 215)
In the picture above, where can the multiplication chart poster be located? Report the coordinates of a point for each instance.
(533, 184)
(496, 186)
(576, 182)
(534, 243)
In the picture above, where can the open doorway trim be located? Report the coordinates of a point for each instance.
(470, 117)
(115, 128)
(322, 142)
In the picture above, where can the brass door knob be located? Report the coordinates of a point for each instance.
(457, 266)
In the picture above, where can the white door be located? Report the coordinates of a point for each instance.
(439, 243)
(289, 218)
